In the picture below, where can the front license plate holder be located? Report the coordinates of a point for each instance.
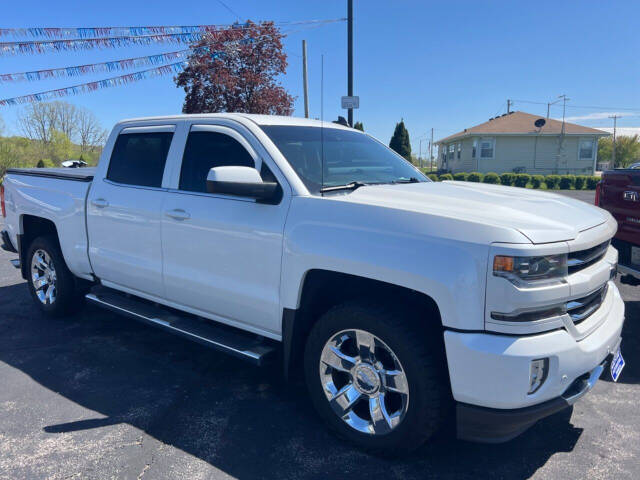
(617, 364)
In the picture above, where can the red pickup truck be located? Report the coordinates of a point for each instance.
(619, 193)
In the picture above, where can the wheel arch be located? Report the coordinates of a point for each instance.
(32, 227)
(322, 289)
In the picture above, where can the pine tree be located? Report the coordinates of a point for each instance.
(359, 126)
(400, 141)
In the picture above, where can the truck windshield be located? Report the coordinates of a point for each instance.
(349, 156)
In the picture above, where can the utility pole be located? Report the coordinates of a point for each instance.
(420, 154)
(350, 56)
(431, 151)
(562, 129)
(549, 106)
(305, 83)
(613, 151)
(564, 107)
(508, 106)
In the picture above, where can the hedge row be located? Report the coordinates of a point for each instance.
(551, 182)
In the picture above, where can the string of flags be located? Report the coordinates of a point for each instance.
(84, 38)
(92, 32)
(112, 66)
(43, 46)
(98, 85)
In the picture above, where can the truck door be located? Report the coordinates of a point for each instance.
(124, 209)
(222, 254)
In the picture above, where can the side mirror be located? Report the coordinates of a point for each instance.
(241, 182)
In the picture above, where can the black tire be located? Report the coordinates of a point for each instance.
(419, 349)
(69, 294)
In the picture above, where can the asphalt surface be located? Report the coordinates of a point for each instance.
(99, 396)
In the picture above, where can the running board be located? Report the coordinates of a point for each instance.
(233, 341)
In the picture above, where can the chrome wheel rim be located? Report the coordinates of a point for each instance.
(364, 382)
(43, 277)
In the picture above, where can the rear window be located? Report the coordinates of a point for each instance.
(139, 158)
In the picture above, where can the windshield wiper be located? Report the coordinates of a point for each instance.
(346, 186)
(409, 180)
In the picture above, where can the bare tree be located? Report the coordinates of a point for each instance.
(37, 121)
(66, 118)
(90, 132)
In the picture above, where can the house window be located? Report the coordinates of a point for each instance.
(459, 150)
(486, 147)
(452, 149)
(475, 146)
(586, 150)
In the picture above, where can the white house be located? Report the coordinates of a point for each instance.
(513, 143)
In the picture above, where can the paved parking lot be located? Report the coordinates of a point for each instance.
(99, 396)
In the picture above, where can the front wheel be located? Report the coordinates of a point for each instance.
(52, 286)
(376, 377)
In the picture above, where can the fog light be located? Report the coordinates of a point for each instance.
(538, 374)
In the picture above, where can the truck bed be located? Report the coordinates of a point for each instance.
(77, 174)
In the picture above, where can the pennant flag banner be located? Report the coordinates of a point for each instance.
(99, 85)
(113, 66)
(44, 46)
(93, 32)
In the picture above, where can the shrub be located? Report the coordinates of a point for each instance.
(522, 179)
(581, 181)
(461, 176)
(474, 177)
(567, 182)
(433, 177)
(592, 182)
(552, 181)
(491, 178)
(507, 178)
(537, 181)
(446, 176)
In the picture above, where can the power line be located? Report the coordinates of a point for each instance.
(229, 9)
(591, 107)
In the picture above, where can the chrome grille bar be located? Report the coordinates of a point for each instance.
(581, 308)
(583, 258)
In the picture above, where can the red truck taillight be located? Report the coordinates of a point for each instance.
(597, 200)
(4, 211)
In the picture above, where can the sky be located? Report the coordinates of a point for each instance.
(444, 65)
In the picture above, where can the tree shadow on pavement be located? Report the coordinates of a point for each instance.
(243, 421)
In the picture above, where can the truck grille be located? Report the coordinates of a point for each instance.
(583, 258)
(581, 308)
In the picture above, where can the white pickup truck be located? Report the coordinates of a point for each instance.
(400, 300)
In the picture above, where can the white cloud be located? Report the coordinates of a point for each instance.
(622, 131)
(597, 116)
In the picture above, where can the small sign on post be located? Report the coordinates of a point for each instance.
(350, 102)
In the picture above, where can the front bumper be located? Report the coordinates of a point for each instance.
(491, 425)
(489, 373)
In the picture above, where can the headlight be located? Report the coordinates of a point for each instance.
(530, 270)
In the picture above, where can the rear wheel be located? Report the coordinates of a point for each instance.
(52, 286)
(376, 378)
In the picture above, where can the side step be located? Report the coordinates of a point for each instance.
(247, 346)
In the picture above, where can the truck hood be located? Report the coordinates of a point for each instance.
(541, 216)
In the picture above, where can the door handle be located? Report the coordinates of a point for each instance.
(178, 214)
(99, 202)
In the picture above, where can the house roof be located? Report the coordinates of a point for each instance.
(523, 123)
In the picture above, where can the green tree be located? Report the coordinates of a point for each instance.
(627, 150)
(60, 147)
(359, 126)
(400, 141)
